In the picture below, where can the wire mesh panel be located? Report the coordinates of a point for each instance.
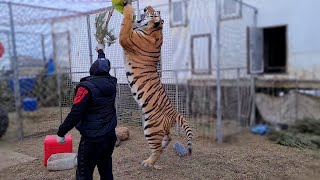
(233, 36)
(29, 91)
(30, 54)
(36, 14)
(7, 108)
(39, 104)
(4, 14)
(236, 100)
(236, 95)
(187, 63)
(72, 56)
(5, 44)
(71, 45)
(166, 62)
(43, 90)
(114, 52)
(128, 110)
(81, 54)
(30, 45)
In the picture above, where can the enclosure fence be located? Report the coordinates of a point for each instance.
(210, 86)
(25, 37)
(71, 42)
(194, 97)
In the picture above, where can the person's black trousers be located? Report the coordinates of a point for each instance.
(92, 154)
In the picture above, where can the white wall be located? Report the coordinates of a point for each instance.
(144, 3)
(202, 20)
(303, 38)
(303, 33)
(176, 49)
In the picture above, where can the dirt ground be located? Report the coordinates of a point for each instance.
(244, 156)
(248, 157)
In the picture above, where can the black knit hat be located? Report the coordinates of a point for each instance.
(101, 67)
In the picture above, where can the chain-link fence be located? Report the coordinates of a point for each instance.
(237, 87)
(28, 91)
(194, 96)
(38, 95)
(74, 44)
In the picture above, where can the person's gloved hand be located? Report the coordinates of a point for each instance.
(61, 140)
(100, 47)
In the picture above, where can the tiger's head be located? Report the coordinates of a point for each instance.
(150, 20)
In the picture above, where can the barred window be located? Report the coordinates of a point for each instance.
(230, 9)
(178, 13)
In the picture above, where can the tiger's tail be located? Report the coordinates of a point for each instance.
(183, 123)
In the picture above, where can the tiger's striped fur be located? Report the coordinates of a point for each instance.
(142, 48)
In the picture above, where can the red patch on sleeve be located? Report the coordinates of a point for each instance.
(81, 93)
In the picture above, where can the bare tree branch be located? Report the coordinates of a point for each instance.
(102, 31)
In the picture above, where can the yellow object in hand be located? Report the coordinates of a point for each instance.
(118, 5)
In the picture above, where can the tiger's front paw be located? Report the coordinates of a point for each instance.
(128, 11)
(147, 164)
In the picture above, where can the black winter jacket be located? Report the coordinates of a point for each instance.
(93, 112)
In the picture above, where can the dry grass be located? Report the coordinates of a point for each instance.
(244, 157)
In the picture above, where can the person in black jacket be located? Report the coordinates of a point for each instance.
(94, 115)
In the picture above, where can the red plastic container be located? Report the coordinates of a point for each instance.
(51, 146)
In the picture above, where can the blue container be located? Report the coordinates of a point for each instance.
(26, 85)
(180, 149)
(30, 104)
(260, 129)
(50, 66)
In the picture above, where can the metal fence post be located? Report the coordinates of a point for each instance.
(58, 78)
(138, 10)
(117, 101)
(187, 99)
(253, 81)
(15, 65)
(89, 39)
(297, 100)
(253, 102)
(69, 53)
(115, 75)
(238, 97)
(43, 50)
(219, 113)
(176, 98)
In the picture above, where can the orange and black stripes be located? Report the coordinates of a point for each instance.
(142, 48)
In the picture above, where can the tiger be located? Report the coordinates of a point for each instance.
(142, 42)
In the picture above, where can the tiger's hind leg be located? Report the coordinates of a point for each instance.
(155, 144)
(166, 140)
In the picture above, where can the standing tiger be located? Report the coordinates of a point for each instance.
(142, 48)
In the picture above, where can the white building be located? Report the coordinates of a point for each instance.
(290, 48)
